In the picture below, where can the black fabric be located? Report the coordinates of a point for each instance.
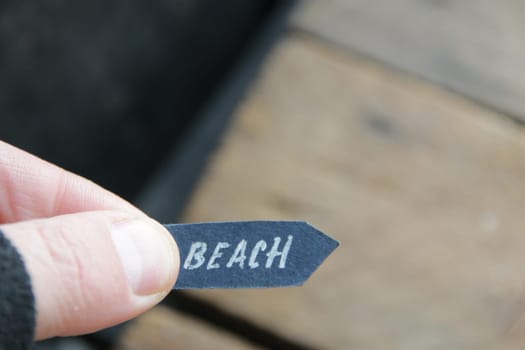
(17, 303)
(107, 88)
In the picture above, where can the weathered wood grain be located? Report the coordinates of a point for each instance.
(164, 329)
(473, 47)
(424, 189)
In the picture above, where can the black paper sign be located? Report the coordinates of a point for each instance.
(249, 254)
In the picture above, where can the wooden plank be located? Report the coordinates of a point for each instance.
(424, 189)
(473, 47)
(164, 329)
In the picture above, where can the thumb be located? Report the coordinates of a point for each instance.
(92, 270)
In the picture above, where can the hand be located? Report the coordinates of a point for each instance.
(94, 259)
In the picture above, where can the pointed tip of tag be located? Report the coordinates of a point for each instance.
(331, 243)
(335, 242)
(324, 247)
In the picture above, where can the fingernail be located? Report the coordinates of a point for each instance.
(148, 254)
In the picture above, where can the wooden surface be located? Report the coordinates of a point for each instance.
(474, 47)
(424, 189)
(164, 329)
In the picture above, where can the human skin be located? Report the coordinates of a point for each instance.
(94, 259)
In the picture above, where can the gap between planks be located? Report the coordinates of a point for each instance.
(325, 40)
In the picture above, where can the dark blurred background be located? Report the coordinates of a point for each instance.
(109, 89)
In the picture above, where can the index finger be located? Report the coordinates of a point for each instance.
(33, 188)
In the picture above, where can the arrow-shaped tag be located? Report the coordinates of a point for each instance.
(249, 254)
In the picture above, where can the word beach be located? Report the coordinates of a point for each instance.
(237, 257)
(248, 254)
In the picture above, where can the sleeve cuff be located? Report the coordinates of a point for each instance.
(17, 302)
